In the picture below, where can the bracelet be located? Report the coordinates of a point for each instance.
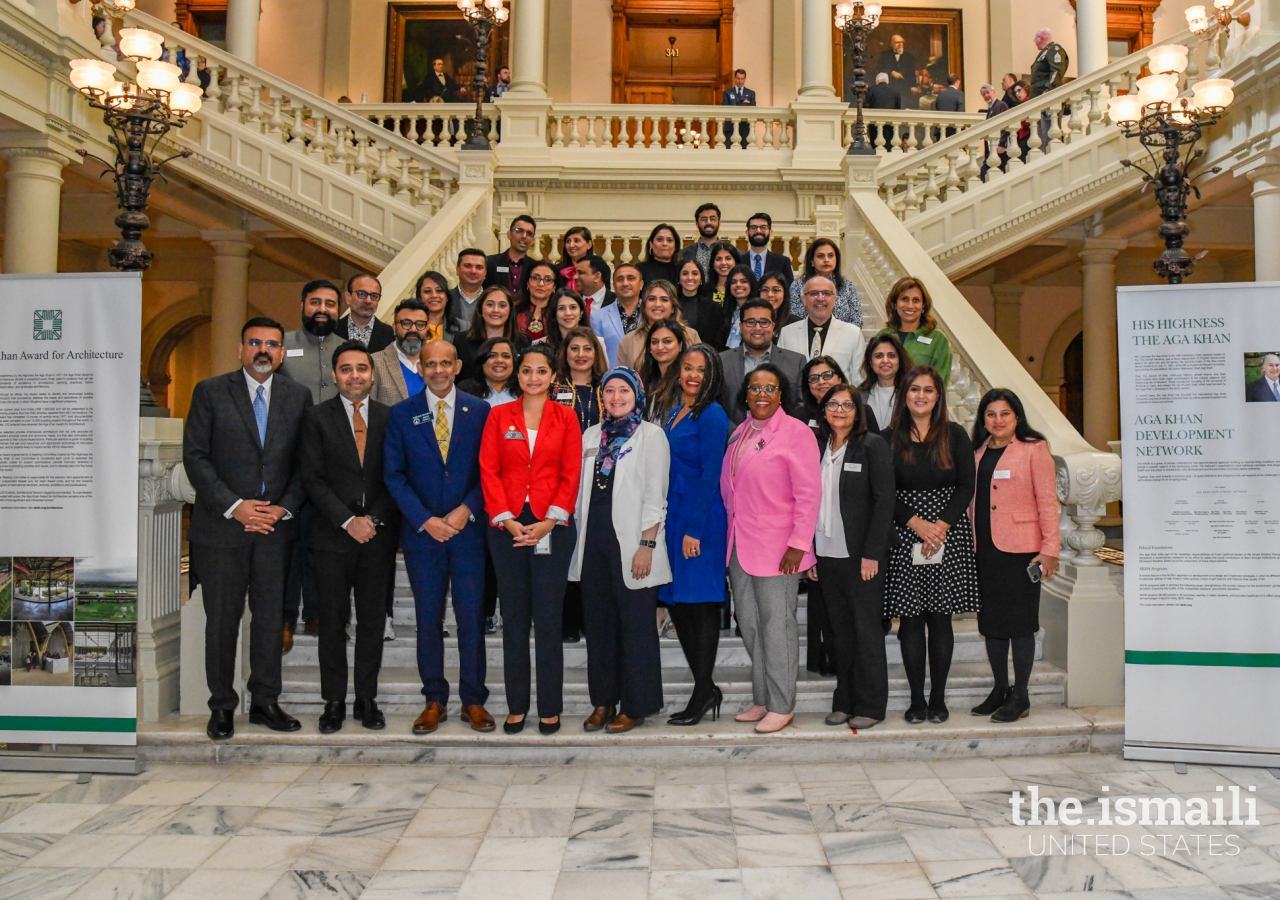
(650, 544)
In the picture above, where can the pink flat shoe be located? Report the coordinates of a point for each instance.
(751, 714)
(774, 722)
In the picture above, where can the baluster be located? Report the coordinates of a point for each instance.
(214, 93)
(447, 185)
(993, 156)
(878, 142)
(362, 164)
(342, 152)
(952, 181)
(973, 174)
(671, 140)
(193, 75)
(1192, 69)
(755, 138)
(1095, 110)
(255, 113)
(1033, 138)
(931, 192)
(404, 181)
(383, 174)
(555, 131)
(579, 133)
(493, 128)
(608, 251)
(298, 130)
(1212, 59)
(911, 202)
(1056, 136)
(926, 137)
(777, 133)
(1014, 150)
(276, 124)
(1074, 124)
(717, 128)
(234, 100)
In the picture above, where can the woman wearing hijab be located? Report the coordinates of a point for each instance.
(621, 555)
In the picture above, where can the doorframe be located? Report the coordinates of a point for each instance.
(704, 12)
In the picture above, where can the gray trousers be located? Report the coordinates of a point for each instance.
(766, 608)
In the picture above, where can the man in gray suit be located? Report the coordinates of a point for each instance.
(756, 324)
(240, 451)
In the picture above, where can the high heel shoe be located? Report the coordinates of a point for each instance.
(994, 701)
(692, 715)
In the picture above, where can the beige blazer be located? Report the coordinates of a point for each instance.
(388, 378)
(631, 347)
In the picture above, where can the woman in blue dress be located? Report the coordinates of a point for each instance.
(697, 528)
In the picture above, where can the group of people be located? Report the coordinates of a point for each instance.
(602, 448)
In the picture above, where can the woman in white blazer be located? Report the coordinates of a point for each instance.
(841, 341)
(621, 555)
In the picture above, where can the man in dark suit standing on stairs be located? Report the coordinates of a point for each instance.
(355, 528)
(240, 449)
(433, 472)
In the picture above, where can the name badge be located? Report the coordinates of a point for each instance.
(924, 340)
(513, 435)
(422, 419)
(853, 467)
(813, 423)
(503, 269)
(564, 395)
(594, 451)
(1001, 474)
(298, 352)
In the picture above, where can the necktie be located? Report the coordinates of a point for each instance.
(260, 414)
(442, 431)
(1275, 388)
(759, 265)
(816, 348)
(358, 426)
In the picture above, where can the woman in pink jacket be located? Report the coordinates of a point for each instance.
(1015, 526)
(772, 489)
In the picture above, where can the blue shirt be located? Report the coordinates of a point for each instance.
(412, 380)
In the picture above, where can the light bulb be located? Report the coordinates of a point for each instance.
(1223, 4)
(185, 100)
(871, 12)
(1125, 109)
(139, 44)
(1194, 13)
(1213, 93)
(1157, 89)
(92, 76)
(1168, 58)
(154, 76)
(465, 5)
(502, 15)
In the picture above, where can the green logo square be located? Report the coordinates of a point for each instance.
(48, 325)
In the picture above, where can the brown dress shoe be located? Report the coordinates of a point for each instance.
(622, 723)
(430, 718)
(287, 644)
(478, 717)
(600, 717)
(313, 627)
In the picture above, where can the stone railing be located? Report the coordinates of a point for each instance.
(440, 125)
(954, 166)
(666, 127)
(894, 132)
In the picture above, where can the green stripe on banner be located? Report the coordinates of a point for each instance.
(66, 723)
(1186, 658)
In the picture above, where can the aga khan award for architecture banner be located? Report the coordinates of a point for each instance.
(69, 364)
(1200, 431)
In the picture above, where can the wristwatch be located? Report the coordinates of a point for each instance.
(650, 544)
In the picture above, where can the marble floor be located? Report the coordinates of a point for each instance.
(870, 831)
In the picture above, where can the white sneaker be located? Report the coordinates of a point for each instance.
(389, 632)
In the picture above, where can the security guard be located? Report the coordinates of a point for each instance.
(1050, 66)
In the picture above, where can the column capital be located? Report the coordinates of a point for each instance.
(1007, 293)
(1263, 173)
(9, 154)
(228, 241)
(1101, 251)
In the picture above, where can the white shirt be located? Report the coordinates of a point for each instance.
(253, 386)
(880, 399)
(594, 300)
(829, 539)
(450, 403)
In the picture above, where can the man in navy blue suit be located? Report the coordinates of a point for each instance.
(738, 95)
(433, 472)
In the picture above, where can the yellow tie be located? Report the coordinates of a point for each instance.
(442, 431)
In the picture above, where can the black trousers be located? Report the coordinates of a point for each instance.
(624, 660)
(300, 586)
(818, 654)
(573, 608)
(855, 609)
(226, 574)
(532, 588)
(698, 629)
(367, 569)
(490, 586)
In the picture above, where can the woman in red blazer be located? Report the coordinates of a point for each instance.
(530, 458)
(1015, 528)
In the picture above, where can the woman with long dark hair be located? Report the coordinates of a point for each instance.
(567, 313)
(668, 338)
(855, 528)
(909, 312)
(724, 256)
(741, 285)
(697, 309)
(932, 571)
(534, 311)
(697, 430)
(661, 255)
(823, 258)
(497, 383)
(577, 245)
(773, 287)
(433, 290)
(493, 319)
(657, 304)
(1018, 544)
(885, 364)
(818, 376)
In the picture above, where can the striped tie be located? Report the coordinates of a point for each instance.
(442, 431)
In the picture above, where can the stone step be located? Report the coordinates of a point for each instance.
(400, 689)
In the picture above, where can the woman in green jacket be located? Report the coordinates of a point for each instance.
(910, 314)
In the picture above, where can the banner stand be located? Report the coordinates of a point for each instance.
(1202, 757)
(96, 764)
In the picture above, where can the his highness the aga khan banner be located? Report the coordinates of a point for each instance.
(69, 368)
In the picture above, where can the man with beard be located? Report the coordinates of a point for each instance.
(707, 218)
(361, 323)
(760, 259)
(395, 368)
(240, 449)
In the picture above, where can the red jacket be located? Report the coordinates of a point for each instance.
(1024, 504)
(508, 475)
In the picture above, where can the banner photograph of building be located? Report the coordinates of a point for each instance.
(638, 446)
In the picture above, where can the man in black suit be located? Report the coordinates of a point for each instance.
(738, 95)
(510, 269)
(361, 322)
(900, 65)
(594, 278)
(757, 323)
(950, 100)
(760, 259)
(1267, 388)
(881, 96)
(354, 533)
(240, 451)
(435, 85)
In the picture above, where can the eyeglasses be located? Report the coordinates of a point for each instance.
(839, 406)
(756, 323)
(542, 279)
(270, 345)
(523, 232)
(767, 389)
(757, 228)
(413, 324)
(815, 377)
(368, 295)
(771, 289)
(820, 295)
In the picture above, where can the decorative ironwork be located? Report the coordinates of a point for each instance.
(856, 20)
(484, 17)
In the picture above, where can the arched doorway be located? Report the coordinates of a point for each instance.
(1072, 393)
(166, 330)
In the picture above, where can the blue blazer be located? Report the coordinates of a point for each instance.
(423, 484)
(606, 322)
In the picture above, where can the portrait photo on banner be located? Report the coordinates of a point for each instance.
(1262, 376)
(419, 34)
(916, 47)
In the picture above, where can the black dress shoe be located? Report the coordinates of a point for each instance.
(369, 715)
(994, 701)
(1015, 707)
(273, 717)
(938, 714)
(335, 711)
(221, 725)
(514, 727)
(549, 727)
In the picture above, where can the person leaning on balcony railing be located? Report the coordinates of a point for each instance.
(909, 312)
(823, 258)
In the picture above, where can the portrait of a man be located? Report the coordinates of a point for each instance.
(1262, 378)
(915, 48)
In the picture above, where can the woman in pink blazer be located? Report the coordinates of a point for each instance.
(772, 489)
(1015, 528)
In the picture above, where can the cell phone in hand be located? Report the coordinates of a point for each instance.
(1035, 572)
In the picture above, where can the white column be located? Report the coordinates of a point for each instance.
(1091, 36)
(1266, 222)
(529, 47)
(230, 297)
(32, 209)
(1101, 368)
(242, 29)
(815, 48)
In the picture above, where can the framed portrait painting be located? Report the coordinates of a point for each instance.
(917, 47)
(421, 34)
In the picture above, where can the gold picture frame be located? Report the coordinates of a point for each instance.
(933, 36)
(420, 32)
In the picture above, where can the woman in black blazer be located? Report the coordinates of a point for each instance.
(855, 524)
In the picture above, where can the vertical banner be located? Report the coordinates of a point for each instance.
(1200, 431)
(69, 370)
